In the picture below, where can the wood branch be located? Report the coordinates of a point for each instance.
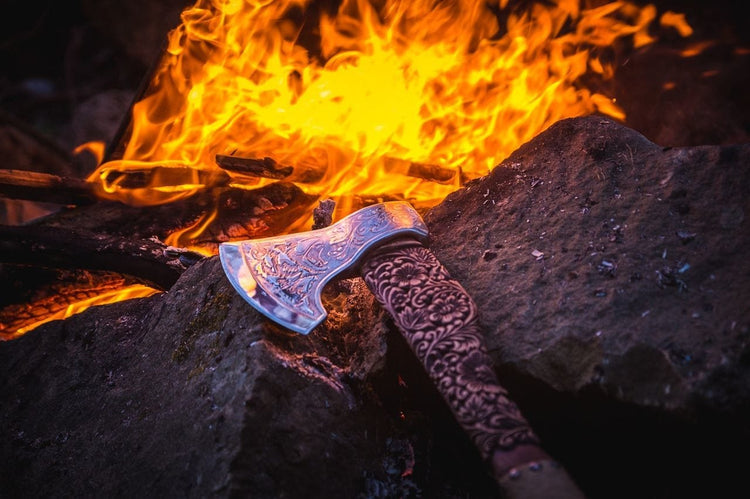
(433, 173)
(35, 186)
(167, 175)
(265, 167)
(148, 260)
(269, 168)
(425, 171)
(303, 173)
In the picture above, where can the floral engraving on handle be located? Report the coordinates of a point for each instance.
(439, 320)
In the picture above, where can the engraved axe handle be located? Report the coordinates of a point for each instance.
(439, 320)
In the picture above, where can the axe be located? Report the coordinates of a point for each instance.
(283, 277)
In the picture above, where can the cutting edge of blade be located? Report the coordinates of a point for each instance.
(241, 278)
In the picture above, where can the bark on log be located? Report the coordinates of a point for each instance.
(425, 171)
(35, 186)
(265, 167)
(148, 260)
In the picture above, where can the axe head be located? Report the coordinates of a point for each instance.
(283, 276)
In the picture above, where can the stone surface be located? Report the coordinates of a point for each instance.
(607, 268)
(599, 259)
(185, 394)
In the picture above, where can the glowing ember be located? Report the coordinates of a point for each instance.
(17, 320)
(457, 84)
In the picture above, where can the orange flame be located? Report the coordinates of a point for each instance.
(360, 95)
(103, 297)
(454, 84)
(95, 148)
(676, 21)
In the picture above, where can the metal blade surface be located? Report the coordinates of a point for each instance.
(283, 276)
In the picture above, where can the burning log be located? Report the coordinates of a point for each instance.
(70, 293)
(149, 260)
(35, 186)
(269, 168)
(164, 176)
(432, 173)
(265, 167)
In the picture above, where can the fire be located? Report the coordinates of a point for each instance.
(20, 319)
(358, 94)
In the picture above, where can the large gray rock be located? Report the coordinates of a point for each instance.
(184, 394)
(601, 261)
(611, 276)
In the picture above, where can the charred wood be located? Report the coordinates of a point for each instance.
(425, 171)
(269, 168)
(163, 175)
(323, 214)
(264, 167)
(148, 260)
(35, 186)
(245, 214)
(72, 289)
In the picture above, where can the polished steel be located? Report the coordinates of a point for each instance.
(283, 276)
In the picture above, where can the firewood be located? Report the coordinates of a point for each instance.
(425, 171)
(264, 167)
(73, 291)
(167, 175)
(35, 186)
(269, 168)
(148, 260)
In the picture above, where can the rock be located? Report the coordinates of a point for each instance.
(608, 268)
(638, 256)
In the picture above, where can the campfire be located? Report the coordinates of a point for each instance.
(356, 102)
(387, 95)
(574, 172)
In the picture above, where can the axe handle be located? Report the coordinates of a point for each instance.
(439, 320)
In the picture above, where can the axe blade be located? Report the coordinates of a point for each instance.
(266, 297)
(283, 276)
